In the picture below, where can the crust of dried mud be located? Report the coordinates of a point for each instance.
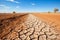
(26, 27)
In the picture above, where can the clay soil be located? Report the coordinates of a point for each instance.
(51, 18)
(15, 19)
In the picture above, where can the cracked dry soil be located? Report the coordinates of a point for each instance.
(26, 28)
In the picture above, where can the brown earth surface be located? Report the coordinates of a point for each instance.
(53, 19)
(29, 26)
(9, 21)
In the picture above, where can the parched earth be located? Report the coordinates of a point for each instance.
(26, 27)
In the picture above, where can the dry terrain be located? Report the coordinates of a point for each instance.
(29, 26)
(52, 18)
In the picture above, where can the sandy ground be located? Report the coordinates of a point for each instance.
(8, 21)
(53, 19)
(11, 23)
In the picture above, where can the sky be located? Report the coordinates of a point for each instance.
(29, 5)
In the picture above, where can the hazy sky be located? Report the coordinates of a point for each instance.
(28, 5)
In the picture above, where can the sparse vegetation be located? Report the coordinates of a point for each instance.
(14, 12)
(48, 11)
(56, 10)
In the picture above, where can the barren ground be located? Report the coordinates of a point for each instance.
(53, 19)
(30, 26)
